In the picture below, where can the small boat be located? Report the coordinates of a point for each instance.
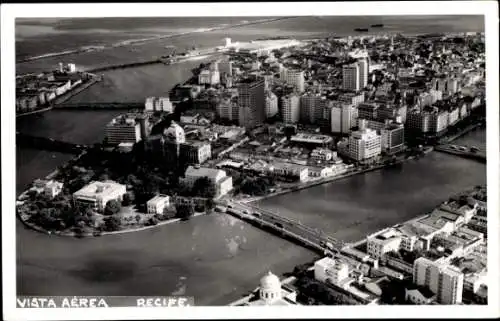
(377, 25)
(361, 29)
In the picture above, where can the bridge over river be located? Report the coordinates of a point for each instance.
(309, 237)
(49, 144)
(463, 151)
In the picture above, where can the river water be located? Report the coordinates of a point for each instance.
(214, 258)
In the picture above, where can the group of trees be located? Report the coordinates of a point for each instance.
(315, 292)
(256, 186)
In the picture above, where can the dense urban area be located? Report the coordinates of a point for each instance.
(277, 115)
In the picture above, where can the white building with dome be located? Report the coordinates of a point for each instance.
(271, 292)
(175, 134)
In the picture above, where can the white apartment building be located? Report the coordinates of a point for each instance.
(341, 118)
(159, 104)
(294, 78)
(443, 280)
(364, 144)
(157, 204)
(380, 244)
(221, 183)
(290, 109)
(271, 104)
(331, 270)
(53, 188)
(322, 154)
(350, 77)
(123, 129)
(291, 170)
(98, 194)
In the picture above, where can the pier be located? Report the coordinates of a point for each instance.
(293, 230)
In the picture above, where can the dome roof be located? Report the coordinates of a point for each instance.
(270, 281)
(174, 132)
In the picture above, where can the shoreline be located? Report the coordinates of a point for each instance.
(98, 233)
(326, 180)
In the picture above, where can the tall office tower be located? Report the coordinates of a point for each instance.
(350, 77)
(251, 100)
(123, 129)
(290, 108)
(363, 72)
(311, 108)
(294, 78)
(341, 117)
(364, 144)
(271, 104)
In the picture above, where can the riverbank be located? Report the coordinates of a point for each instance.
(99, 233)
(301, 186)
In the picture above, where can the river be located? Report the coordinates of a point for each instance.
(214, 258)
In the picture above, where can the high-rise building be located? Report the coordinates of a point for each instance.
(123, 129)
(363, 72)
(251, 101)
(271, 104)
(209, 77)
(392, 138)
(294, 78)
(341, 118)
(364, 144)
(352, 98)
(440, 278)
(290, 106)
(226, 66)
(350, 77)
(311, 107)
(368, 111)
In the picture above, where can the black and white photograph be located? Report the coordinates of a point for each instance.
(318, 156)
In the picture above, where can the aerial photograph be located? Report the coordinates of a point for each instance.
(253, 161)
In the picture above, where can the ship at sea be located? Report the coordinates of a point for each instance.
(378, 25)
(361, 29)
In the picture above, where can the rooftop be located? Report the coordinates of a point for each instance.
(95, 189)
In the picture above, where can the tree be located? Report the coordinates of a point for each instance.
(137, 218)
(184, 211)
(112, 207)
(128, 198)
(202, 187)
(112, 223)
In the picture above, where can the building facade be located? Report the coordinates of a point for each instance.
(251, 100)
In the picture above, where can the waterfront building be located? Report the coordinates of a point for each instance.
(159, 104)
(433, 121)
(312, 106)
(332, 271)
(271, 292)
(271, 104)
(380, 244)
(294, 78)
(98, 194)
(50, 188)
(350, 77)
(221, 184)
(251, 100)
(392, 138)
(157, 204)
(364, 145)
(290, 106)
(195, 153)
(123, 129)
(342, 115)
(444, 280)
(289, 170)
